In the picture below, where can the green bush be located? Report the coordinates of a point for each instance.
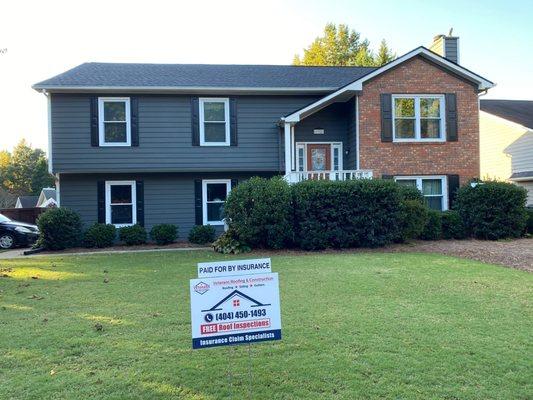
(529, 226)
(164, 233)
(202, 234)
(414, 216)
(259, 211)
(452, 225)
(60, 228)
(132, 235)
(493, 210)
(433, 227)
(99, 235)
(227, 243)
(351, 213)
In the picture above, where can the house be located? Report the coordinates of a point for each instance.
(506, 136)
(26, 201)
(47, 198)
(160, 143)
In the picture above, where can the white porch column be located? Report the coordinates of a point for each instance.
(288, 148)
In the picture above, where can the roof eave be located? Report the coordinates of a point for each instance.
(181, 90)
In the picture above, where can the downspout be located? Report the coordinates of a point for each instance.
(357, 161)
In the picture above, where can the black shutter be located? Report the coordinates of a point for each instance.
(195, 121)
(139, 192)
(94, 122)
(198, 210)
(134, 118)
(234, 183)
(386, 118)
(451, 117)
(233, 121)
(387, 176)
(453, 186)
(101, 201)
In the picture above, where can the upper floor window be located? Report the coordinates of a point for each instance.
(418, 118)
(114, 121)
(214, 122)
(433, 188)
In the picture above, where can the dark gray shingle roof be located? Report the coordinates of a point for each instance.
(204, 76)
(28, 201)
(518, 111)
(49, 193)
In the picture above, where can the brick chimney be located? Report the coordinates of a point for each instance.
(446, 46)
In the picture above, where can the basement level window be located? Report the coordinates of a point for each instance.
(433, 188)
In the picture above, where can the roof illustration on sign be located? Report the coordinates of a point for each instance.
(235, 293)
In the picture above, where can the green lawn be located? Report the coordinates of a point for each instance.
(394, 326)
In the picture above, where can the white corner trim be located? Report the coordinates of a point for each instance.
(357, 161)
(357, 85)
(49, 106)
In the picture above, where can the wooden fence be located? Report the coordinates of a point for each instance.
(28, 215)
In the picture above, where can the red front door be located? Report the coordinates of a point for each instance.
(318, 157)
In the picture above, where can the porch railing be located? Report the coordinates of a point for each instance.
(344, 175)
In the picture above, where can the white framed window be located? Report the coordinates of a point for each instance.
(120, 203)
(214, 122)
(114, 122)
(214, 195)
(433, 188)
(418, 118)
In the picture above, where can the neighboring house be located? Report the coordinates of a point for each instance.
(153, 143)
(506, 135)
(47, 198)
(26, 201)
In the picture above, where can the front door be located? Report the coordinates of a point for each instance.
(318, 157)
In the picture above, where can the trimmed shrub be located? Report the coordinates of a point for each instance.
(452, 225)
(414, 217)
(164, 233)
(202, 234)
(227, 243)
(351, 213)
(529, 227)
(493, 210)
(433, 228)
(259, 212)
(100, 235)
(132, 235)
(60, 228)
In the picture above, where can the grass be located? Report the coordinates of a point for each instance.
(395, 326)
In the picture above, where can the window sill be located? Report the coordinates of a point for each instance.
(114, 145)
(214, 223)
(419, 141)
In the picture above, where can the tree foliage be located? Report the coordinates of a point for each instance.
(24, 171)
(342, 46)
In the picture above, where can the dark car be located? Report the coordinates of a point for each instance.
(14, 233)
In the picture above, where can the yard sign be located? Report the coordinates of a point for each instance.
(235, 309)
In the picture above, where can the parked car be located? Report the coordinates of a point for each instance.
(15, 233)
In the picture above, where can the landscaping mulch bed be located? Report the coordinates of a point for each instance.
(516, 253)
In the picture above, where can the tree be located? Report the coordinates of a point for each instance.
(342, 46)
(384, 55)
(25, 171)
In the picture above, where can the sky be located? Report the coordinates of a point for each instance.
(44, 38)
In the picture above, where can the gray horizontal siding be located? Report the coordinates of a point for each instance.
(334, 119)
(165, 137)
(168, 198)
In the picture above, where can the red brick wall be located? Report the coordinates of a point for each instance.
(419, 76)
